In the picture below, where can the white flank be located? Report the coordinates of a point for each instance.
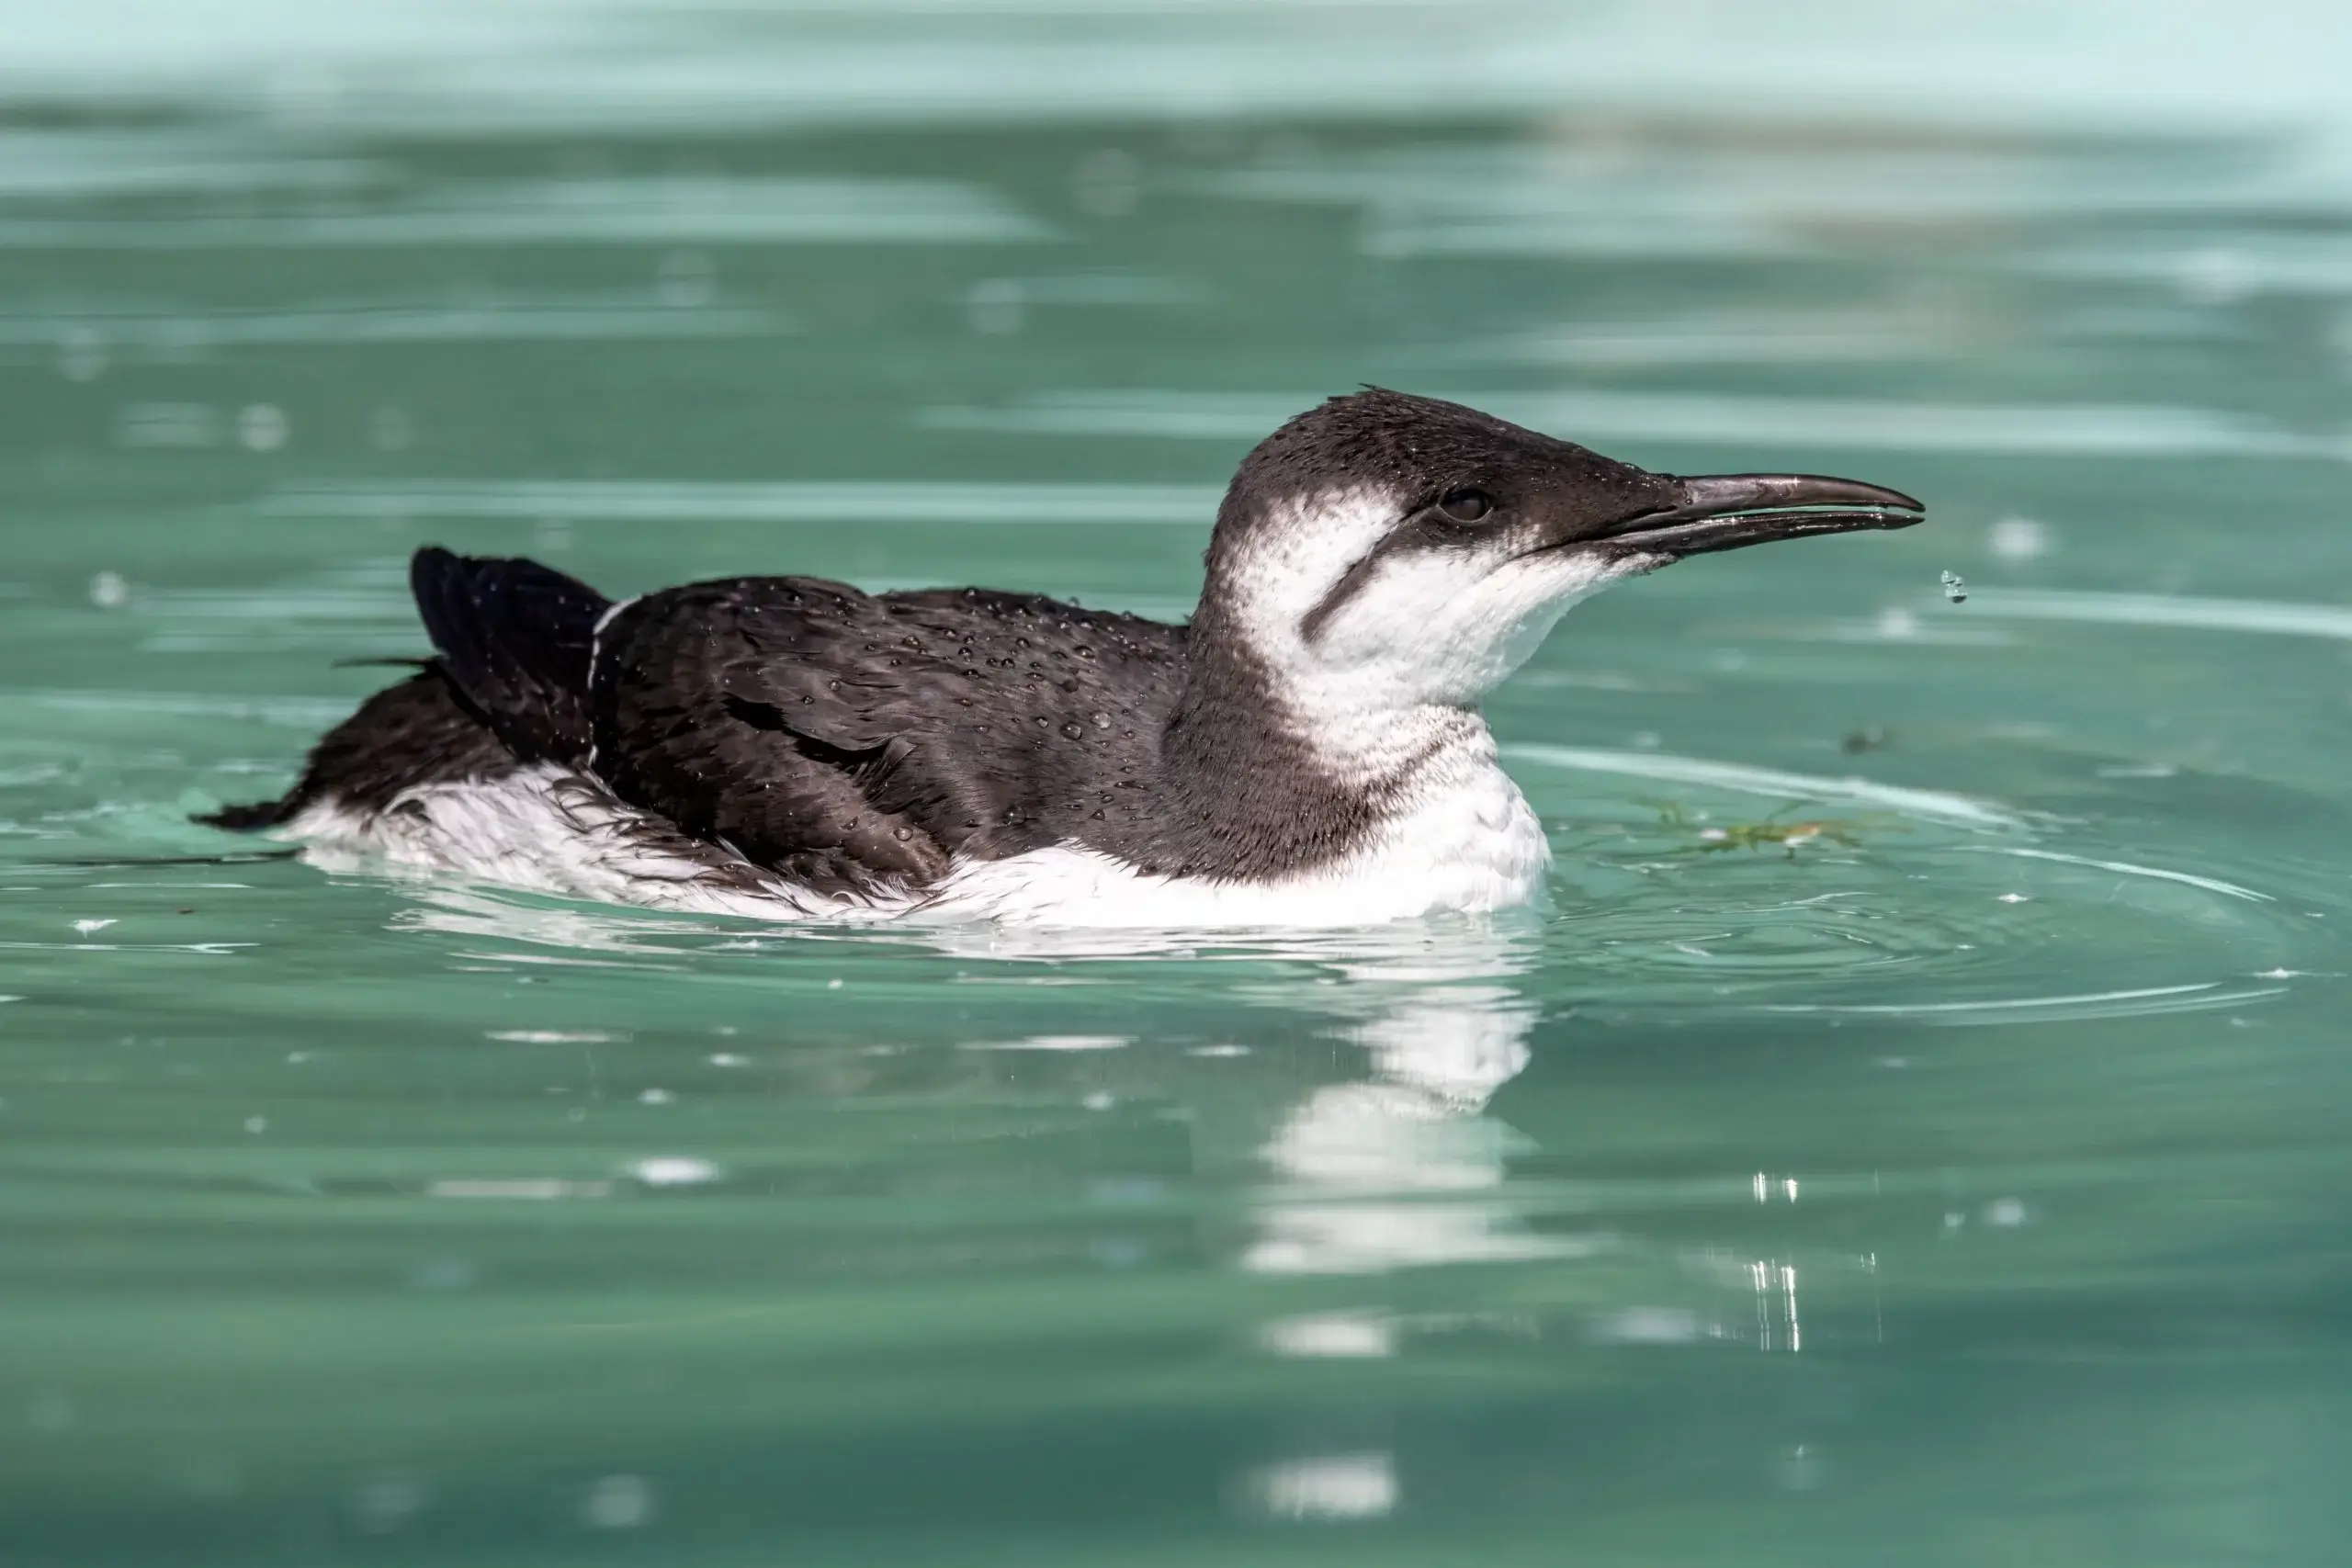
(1468, 841)
(546, 830)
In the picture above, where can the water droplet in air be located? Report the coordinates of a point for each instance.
(1954, 588)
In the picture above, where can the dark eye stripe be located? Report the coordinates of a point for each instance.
(1415, 535)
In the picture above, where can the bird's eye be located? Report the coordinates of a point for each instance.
(1467, 505)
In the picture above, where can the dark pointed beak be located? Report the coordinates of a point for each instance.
(1730, 511)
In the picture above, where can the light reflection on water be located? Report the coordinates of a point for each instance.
(1910, 1131)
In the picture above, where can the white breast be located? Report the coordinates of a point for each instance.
(1464, 840)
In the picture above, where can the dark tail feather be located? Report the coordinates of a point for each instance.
(514, 639)
(254, 816)
(408, 734)
(511, 684)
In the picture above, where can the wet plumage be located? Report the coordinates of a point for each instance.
(1306, 748)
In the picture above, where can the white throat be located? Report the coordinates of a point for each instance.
(1400, 669)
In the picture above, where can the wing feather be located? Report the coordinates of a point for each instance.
(867, 739)
(514, 639)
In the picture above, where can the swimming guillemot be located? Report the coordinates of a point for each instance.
(1307, 750)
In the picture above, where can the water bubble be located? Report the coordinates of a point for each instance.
(1338, 1336)
(618, 1503)
(656, 1097)
(673, 1170)
(1897, 622)
(2019, 538)
(256, 1124)
(1329, 1486)
(261, 427)
(1954, 588)
(108, 590)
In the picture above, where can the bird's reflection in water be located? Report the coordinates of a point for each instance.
(1403, 1165)
(1353, 1161)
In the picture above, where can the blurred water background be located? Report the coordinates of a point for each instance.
(1912, 1132)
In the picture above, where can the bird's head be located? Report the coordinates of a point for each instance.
(1387, 552)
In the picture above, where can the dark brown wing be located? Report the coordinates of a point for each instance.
(849, 739)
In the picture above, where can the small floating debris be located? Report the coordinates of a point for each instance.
(1954, 588)
(1870, 737)
(1772, 833)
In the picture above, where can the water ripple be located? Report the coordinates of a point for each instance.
(682, 500)
(2260, 615)
(2076, 430)
(1933, 804)
(611, 211)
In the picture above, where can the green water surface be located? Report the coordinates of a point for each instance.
(1954, 1174)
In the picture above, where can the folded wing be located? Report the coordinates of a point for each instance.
(850, 740)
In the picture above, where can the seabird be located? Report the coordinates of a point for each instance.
(1307, 751)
